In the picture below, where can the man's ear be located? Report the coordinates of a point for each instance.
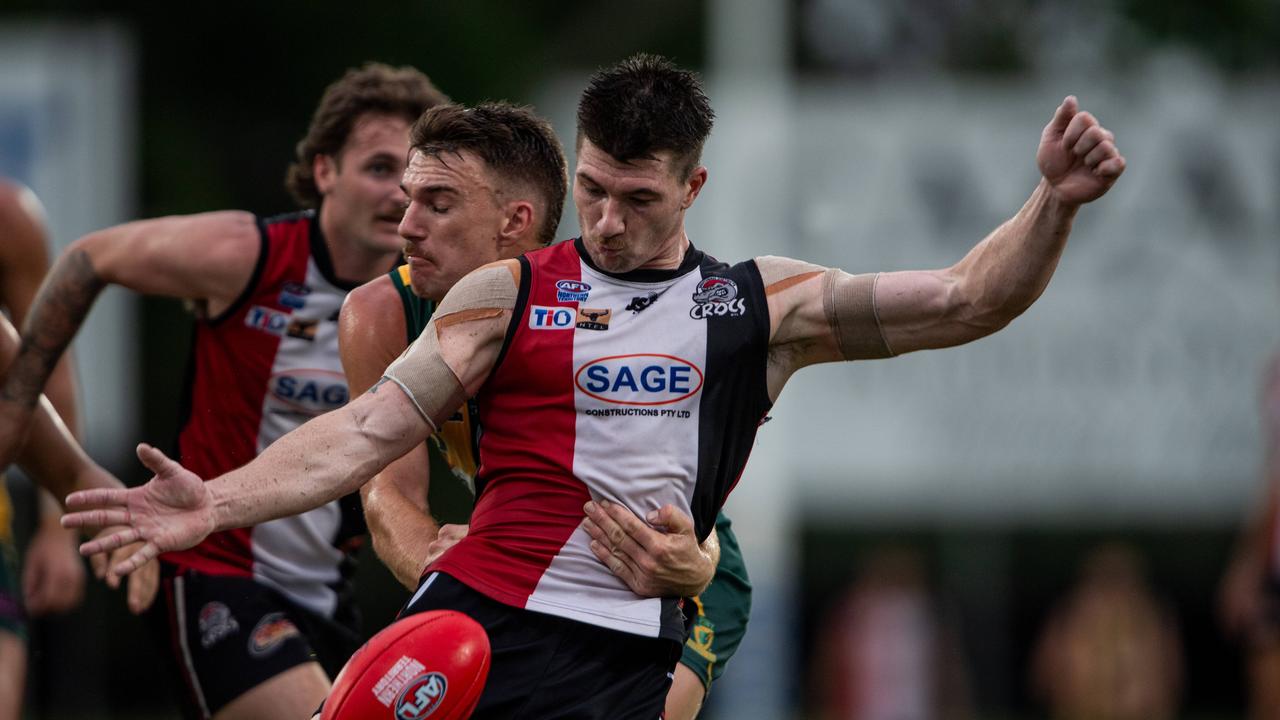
(324, 168)
(697, 180)
(518, 223)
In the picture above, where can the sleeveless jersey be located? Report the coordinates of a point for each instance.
(263, 367)
(645, 389)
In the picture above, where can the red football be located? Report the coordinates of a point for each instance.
(428, 665)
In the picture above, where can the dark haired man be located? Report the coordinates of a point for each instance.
(478, 170)
(257, 617)
(659, 408)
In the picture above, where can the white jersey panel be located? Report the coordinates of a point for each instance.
(638, 376)
(296, 555)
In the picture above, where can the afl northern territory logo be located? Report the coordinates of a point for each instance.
(639, 379)
(421, 697)
(572, 291)
(716, 297)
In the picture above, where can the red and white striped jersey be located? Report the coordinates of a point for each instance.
(263, 367)
(645, 389)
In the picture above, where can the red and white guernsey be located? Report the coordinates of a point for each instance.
(263, 367)
(645, 389)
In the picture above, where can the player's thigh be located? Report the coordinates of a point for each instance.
(684, 700)
(233, 636)
(294, 693)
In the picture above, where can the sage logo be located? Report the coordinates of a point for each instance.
(572, 291)
(421, 697)
(310, 391)
(717, 297)
(542, 317)
(639, 379)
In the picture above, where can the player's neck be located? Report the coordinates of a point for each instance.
(672, 254)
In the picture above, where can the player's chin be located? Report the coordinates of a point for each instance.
(386, 236)
(425, 281)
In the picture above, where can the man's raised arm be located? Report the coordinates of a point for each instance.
(208, 257)
(822, 315)
(328, 457)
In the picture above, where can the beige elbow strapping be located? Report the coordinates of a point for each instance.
(850, 306)
(421, 370)
(427, 379)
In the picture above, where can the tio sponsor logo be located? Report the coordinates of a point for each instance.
(267, 320)
(421, 697)
(640, 379)
(717, 297)
(310, 391)
(572, 291)
(542, 317)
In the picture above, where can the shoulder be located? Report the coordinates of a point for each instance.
(372, 299)
(372, 308)
(21, 220)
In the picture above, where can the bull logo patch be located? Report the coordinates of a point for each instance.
(594, 318)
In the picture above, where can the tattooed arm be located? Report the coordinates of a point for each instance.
(207, 258)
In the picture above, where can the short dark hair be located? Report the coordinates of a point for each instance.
(513, 141)
(645, 104)
(371, 88)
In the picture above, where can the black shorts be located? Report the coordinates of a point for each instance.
(229, 634)
(546, 667)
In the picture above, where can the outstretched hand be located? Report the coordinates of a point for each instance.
(173, 511)
(1077, 156)
(660, 558)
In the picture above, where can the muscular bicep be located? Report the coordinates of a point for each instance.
(460, 345)
(817, 315)
(210, 256)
